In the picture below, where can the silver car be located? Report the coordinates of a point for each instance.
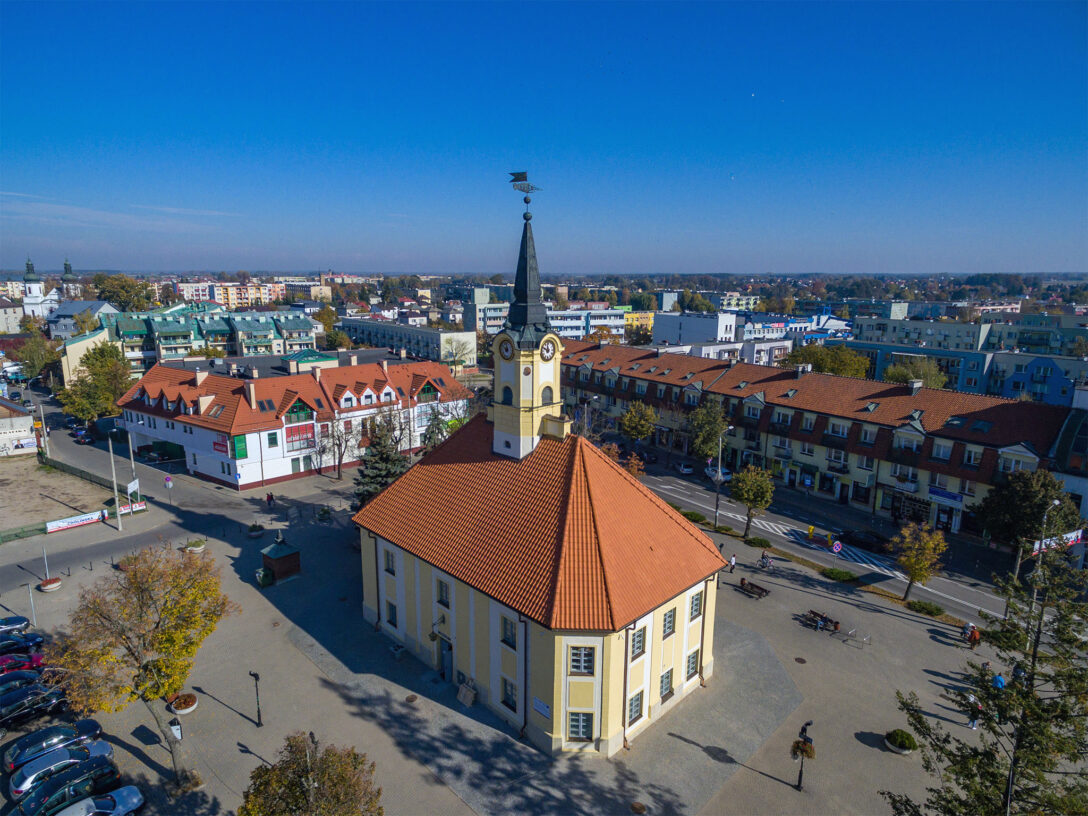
(37, 771)
(121, 802)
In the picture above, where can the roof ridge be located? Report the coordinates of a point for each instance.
(579, 446)
(561, 540)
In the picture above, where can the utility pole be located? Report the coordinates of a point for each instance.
(45, 433)
(718, 480)
(113, 474)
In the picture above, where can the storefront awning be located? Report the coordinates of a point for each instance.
(811, 470)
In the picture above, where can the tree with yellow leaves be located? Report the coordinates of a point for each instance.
(918, 550)
(135, 633)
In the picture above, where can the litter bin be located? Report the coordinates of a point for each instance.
(265, 577)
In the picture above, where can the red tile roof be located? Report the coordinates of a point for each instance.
(564, 536)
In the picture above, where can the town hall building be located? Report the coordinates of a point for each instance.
(535, 573)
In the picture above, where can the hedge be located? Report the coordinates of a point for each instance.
(925, 608)
(836, 574)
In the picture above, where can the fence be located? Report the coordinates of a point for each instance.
(22, 532)
(64, 467)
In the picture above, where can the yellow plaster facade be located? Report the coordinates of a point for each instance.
(526, 390)
(565, 691)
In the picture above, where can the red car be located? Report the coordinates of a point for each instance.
(19, 662)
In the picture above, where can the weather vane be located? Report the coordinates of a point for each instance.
(520, 182)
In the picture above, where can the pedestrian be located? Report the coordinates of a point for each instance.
(974, 638)
(1018, 673)
(986, 666)
(998, 682)
(732, 563)
(974, 709)
(965, 632)
(268, 499)
(271, 500)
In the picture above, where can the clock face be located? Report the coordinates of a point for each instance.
(506, 349)
(547, 350)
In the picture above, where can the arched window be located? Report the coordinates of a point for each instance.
(507, 396)
(546, 395)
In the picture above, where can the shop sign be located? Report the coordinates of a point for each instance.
(945, 497)
(220, 443)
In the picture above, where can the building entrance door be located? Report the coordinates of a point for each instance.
(445, 659)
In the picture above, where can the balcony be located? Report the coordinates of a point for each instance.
(781, 428)
(832, 441)
(904, 456)
(837, 467)
(751, 444)
(906, 487)
(748, 422)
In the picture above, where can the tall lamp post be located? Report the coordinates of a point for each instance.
(718, 478)
(1037, 576)
(1020, 552)
(113, 475)
(257, 690)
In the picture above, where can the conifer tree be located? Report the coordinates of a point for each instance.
(382, 462)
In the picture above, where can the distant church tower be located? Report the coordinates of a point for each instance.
(527, 354)
(72, 289)
(36, 303)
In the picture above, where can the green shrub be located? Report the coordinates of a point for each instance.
(836, 574)
(693, 515)
(925, 608)
(902, 740)
(675, 507)
(255, 527)
(758, 542)
(725, 529)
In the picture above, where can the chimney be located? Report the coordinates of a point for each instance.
(802, 370)
(233, 369)
(385, 367)
(353, 359)
(201, 376)
(254, 373)
(316, 371)
(915, 386)
(251, 394)
(403, 353)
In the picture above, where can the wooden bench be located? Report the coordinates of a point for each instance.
(819, 621)
(754, 590)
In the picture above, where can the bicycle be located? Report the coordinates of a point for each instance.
(766, 563)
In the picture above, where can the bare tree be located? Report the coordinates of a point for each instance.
(339, 438)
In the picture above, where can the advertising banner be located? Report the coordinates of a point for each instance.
(1067, 540)
(25, 444)
(74, 521)
(132, 508)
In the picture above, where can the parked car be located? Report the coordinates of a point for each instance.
(864, 539)
(14, 395)
(121, 802)
(97, 775)
(40, 742)
(648, 456)
(27, 643)
(15, 623)
(29, 403)
(84, 439)
(684, 467)
(18, 679)
(711, 472)
(18, 662)
(35, 772)
(30, 702)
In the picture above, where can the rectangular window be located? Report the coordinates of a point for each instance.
(581, 660)
(807, 449)
(391, 614)
(444, 594)
(273, 440)
(509, 632)
(967, 487)
(837, 429)
(695, 608)
(390, 562)
(693, 664)
(808, 423)
(938, 480)
(669, 625)
(836, 456)
(640, 387)
(299, 437)
(509, 694)
(580, 726)
(638, 643)
(868, 436)
(634, 708)
(240, 449)
(865, 462)
(942, 451)
(752, 411)
(296, 465)
(971, 458)
(666, 685)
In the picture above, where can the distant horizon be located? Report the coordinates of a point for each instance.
(746, 138)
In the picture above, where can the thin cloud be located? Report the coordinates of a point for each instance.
(183, 211)
(23, 195)
(66, 215)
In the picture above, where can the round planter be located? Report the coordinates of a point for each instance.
(195, 549)
(175, 710)
(50, 585)
(256, 533)
(895, 749)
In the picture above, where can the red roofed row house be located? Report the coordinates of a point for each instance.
(251, 432)
(903, 451)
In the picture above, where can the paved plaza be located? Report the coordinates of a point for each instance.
(723, 750)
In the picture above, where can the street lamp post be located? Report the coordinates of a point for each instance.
(257, 690)
(805, 738)
(113, 474)
(718, 479)
(33, 614)
(1020, 553)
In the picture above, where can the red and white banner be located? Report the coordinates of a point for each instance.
(74, 521)
(130, 508)
(1067, 540)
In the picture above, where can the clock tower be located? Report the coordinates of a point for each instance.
(527, 354)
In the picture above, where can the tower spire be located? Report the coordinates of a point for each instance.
(528, 317)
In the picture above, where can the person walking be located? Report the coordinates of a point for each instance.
(965, 632)
(975, 638)
(732, 563)
(974, 709)
(998, 682)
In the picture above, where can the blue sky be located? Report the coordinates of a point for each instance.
(702, 138)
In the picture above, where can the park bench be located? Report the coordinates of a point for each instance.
(819, 621)
(754, 590)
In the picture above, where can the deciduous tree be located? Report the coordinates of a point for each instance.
(918, 549)
(337, 339)
(85, 322)
(339, 438)
(638, 421)
(706, 423)
(754, 488)
(830, 360)
(611, 450)
(1028, 755)
(209, 352)
(36, 355)
(326, 316)
(919, 368)
(310, 780)
(123, 292)
(103, 379)
(633, 465)
(134, 635)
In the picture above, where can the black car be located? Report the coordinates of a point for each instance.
(13, 643)
(15, 623)
(32, 746)
(865, 539)
(96, 775)
(29, 702)
(18, 679)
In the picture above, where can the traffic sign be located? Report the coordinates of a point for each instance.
(836, 547)
(168, 482)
